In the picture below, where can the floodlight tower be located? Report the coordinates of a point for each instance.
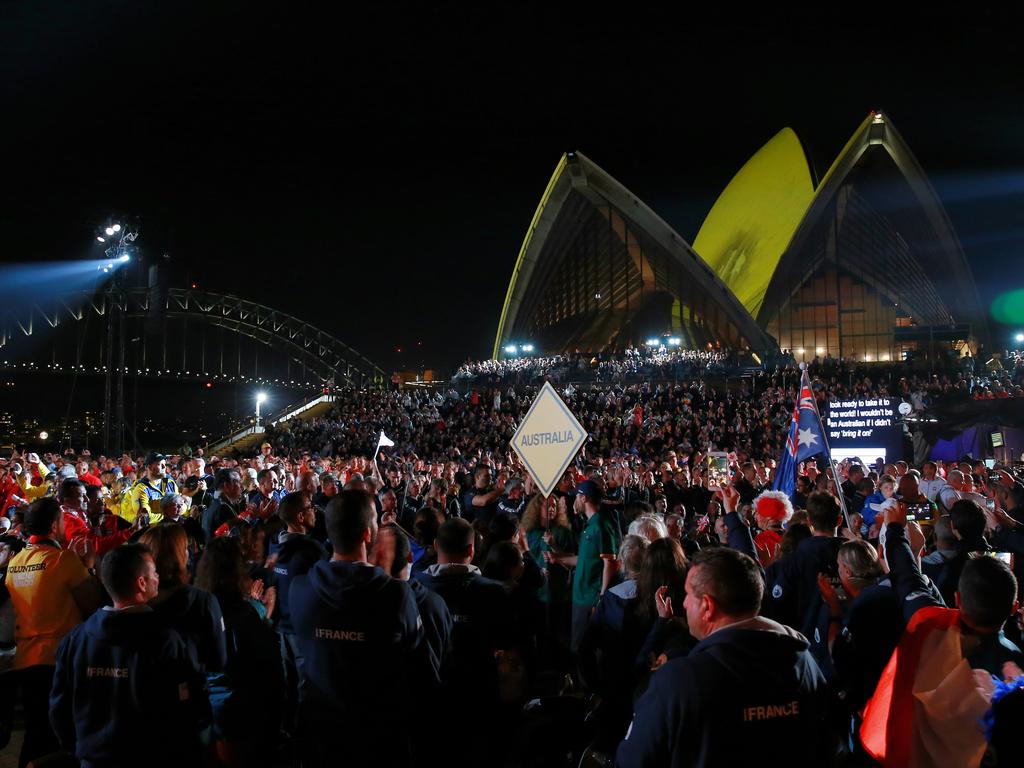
(119, 240)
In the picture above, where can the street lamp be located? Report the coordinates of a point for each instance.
(261, 398)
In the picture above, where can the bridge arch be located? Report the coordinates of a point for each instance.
(320, 353)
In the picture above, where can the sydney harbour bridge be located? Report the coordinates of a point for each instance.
(136, 333)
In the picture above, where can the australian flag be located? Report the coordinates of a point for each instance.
(806, 438)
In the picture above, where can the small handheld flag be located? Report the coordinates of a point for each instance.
(383, 442)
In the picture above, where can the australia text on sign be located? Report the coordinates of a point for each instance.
(548, 438)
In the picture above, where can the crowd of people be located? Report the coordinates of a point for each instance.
(321, 603)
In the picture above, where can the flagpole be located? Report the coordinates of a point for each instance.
(828, 450)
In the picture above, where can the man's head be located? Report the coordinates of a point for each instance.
(967, 520)
(955, 479)
(823, 513)
(351, 522)
(986, 594)
(855, 473)
(482, 476)
(455, 542)
(388, 501)
(328, 484)
(723, 587)
(930, 469)
(44, 518)
(297, 512)
(514, 489)
(129, 575)
(588, 498)
(229, 482)
(156, 465)
(72, 495)
(265, 480)
(908, 488)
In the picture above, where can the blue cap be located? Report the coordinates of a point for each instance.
(589, 489)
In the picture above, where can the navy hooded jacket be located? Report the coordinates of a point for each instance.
(296, 554)
(482, 614)
(195, 614)
(748, 694)
(358, 630)
(124, 692)
(795, 598)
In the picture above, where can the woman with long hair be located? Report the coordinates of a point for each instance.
(192, 612)
(546, 526)
(246, 696)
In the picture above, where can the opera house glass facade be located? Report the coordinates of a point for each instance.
(861, 264)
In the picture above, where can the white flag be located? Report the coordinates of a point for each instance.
(384, 441)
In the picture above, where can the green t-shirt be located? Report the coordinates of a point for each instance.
(598, 538)
(558, 588)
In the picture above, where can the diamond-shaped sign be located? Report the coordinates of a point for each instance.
(548, 438)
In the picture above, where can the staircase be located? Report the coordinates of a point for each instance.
(246, 441)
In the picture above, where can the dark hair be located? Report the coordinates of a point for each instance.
(40, 516)
(823, 511)
(635, 509)
(455, 537)
(291, 506)
(221, 569)
(263, 473)
(502, 558)
(987, 589)
(664, 565)
(428, 521)
(732, 578)
(968, 520)
(348, 516)
(503, 527)
(69, 488)
(795, 533)
(120, 568)
(224, 476)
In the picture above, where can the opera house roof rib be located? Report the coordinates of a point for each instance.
(598, 269)
(874, 215)
(863, 264)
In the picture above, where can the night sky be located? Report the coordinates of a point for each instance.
(374, 174)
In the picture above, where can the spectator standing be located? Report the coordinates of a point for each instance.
(749, 693)
(123, 683)
(51, 591)
(358, 631)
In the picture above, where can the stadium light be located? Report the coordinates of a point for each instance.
(675, 341)
(116, 227)
(125, 257)
(44, 435)
(261, 398)
(652, 342)
(100, 239)
(1019, 338)
(819, 351)
(527, 347)
(800, 351)
(511, 349)
(109, 231)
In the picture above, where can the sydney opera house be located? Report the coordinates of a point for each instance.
(860, 263)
